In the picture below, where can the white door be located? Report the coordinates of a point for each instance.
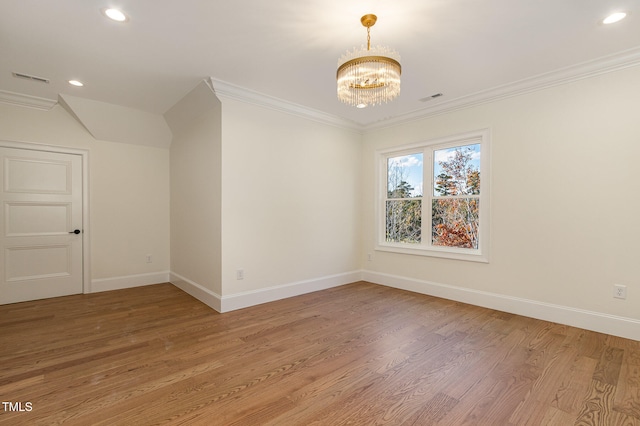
(41, 203)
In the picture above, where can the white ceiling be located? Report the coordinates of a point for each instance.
(288, 49)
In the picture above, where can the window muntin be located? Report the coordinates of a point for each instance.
(403, 207)
(455, 209)
(431, 199)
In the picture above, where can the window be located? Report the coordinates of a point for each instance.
(434, 198)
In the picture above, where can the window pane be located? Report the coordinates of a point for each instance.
(455, 222)
(404, 176)
(456, 170)
(404, 221)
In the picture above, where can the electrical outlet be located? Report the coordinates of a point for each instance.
(240, 274)
(619, 291)
(369, 257)
(149, 259)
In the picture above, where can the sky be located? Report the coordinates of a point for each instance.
(413, 165)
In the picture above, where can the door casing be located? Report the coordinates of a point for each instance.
(86, 234)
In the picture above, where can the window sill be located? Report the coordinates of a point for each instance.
(444, 253)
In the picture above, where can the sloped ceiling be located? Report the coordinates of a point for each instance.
(118, 123)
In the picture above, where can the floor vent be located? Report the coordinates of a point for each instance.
(30, 77)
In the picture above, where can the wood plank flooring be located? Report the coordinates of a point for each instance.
(359, 354)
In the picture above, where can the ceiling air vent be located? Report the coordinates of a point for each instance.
(428, 98)
(30, 77)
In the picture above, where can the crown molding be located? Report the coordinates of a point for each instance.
(28, 101)
(606, 64)
(618, 61)
(610, 63)
(224, 89)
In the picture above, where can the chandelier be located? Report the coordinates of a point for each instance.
(371, 76)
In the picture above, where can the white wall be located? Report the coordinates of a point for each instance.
(291, 202)
(564, 204)
(129, 195)
(196, 194)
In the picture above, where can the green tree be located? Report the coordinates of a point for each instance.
(445, 185)
(403, 190)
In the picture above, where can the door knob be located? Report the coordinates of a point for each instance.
(77, 231)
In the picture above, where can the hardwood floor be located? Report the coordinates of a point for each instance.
(354, 355)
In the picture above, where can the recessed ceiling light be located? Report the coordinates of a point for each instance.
(614, 17)
(76, 83)
(115, 14)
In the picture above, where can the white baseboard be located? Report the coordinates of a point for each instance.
(128, 281)
(263, 295)
(206, 296)
(595, 321)
(269, 294)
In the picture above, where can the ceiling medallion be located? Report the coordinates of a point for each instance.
(368, 76)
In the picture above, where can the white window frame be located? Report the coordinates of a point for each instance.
(427, 148)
